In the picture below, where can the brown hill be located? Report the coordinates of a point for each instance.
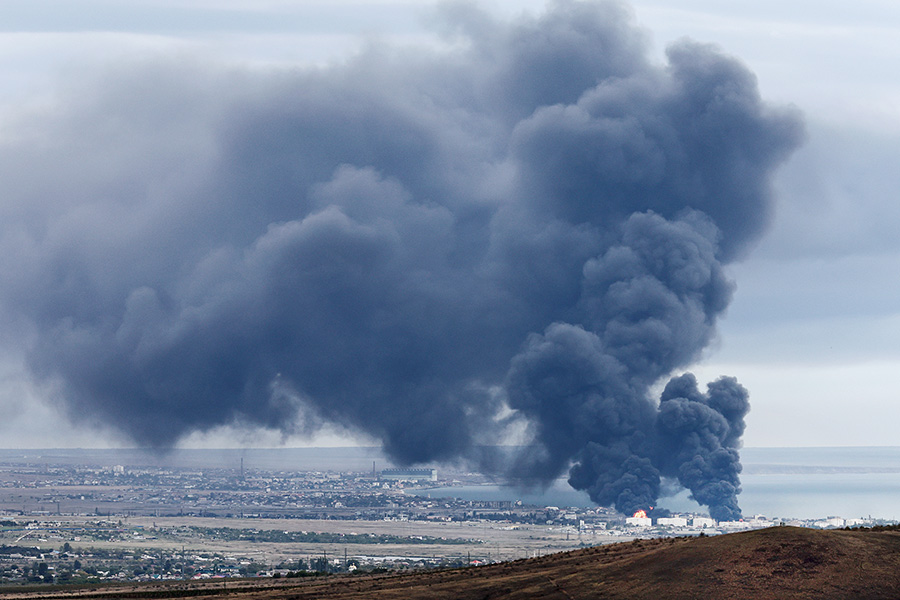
(781, 562)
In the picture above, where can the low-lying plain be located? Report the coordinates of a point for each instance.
(775, 563)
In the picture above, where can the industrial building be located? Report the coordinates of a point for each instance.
(639, 521)
(672, 522)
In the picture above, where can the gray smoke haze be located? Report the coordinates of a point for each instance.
(425, 246)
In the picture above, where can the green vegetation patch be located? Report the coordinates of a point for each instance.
(312, 537)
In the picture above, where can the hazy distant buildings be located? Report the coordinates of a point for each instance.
(734, 525)
(829, 523)
(672, 522)
(409, 474)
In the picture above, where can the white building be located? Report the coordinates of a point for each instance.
(703, 522)
(672, 522)
(734, 525)
(639, 521)
(760, 521)
(829, 522)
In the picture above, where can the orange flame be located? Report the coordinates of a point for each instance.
(641, 514)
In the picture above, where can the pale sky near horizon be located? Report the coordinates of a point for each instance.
(813, 328)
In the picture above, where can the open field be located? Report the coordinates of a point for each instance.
(483, 540)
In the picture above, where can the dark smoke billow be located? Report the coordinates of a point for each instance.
(423, 246)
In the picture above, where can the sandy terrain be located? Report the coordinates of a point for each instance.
(494, 540)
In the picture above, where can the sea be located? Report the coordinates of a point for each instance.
(778, 483)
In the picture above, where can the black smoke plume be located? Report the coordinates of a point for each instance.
(422, 245)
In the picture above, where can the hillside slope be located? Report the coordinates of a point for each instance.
(777, 563)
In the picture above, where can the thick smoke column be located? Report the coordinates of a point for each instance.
(410, 245)
(699, 436)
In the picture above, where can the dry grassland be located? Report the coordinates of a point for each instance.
(496, 540)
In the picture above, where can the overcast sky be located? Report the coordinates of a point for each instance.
(814, 325)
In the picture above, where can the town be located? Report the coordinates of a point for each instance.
(66, 522)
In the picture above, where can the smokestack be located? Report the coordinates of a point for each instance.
(431, 248)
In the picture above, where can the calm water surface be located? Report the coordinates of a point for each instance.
(778, 483)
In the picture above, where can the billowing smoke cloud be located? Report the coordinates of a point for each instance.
(699, 436)
(420, 245)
